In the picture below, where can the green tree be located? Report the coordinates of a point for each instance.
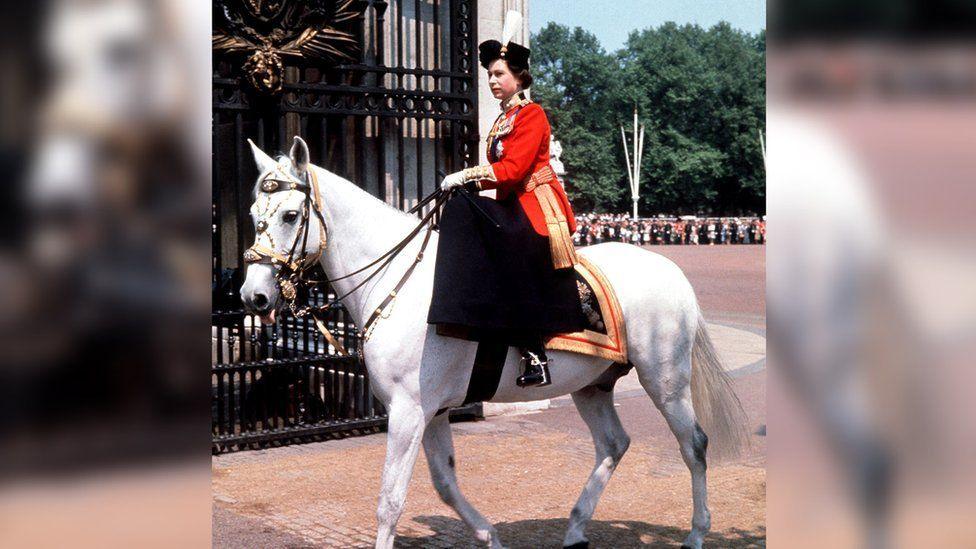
(574, 81)
(701, 94)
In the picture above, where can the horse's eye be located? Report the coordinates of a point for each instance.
(290, 216)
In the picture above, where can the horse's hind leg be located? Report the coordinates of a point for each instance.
(610, 441)
(671, 393)
(439, 448)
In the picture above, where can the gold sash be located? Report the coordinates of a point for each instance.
(560, 240)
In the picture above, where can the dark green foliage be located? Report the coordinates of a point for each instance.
(701, 94)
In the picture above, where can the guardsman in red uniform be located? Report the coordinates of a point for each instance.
(516, 282)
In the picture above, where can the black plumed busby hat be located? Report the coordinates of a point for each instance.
(514, 54)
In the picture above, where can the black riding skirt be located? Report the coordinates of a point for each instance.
(499, 283)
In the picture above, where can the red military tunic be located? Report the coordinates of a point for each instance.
(518, 146)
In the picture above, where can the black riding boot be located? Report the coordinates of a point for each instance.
(536, 365)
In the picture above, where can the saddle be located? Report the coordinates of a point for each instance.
(605, 334)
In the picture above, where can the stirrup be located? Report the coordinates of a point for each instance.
(536, 371)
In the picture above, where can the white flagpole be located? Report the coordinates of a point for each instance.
(623, 137)
(635, 180)
(640, 158)
(633, 169)
(635, 183)
(762, 146)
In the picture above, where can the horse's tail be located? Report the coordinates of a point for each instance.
(716, 405)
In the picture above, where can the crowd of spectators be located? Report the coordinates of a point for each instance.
(596, 228)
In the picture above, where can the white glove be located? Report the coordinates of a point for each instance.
(455, 179)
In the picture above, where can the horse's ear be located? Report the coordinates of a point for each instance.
(299, 157)
(264, 162)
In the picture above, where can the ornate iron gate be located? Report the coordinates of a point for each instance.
(385, 95)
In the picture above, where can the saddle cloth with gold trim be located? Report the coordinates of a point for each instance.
(605, 335)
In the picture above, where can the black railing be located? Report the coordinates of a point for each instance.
(389, 122)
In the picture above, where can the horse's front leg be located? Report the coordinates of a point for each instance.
(440, 458)
(405, 431)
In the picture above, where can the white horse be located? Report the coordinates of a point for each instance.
(415, 372)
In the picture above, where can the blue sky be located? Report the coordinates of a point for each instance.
(612, 20)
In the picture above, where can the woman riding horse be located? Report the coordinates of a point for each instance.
(508, 276)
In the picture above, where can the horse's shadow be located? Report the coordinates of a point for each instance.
(535, 534)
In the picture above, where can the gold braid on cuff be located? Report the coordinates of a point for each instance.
(479, 173)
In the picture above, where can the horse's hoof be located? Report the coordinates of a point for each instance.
(579, 545)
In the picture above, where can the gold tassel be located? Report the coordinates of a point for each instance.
(561, 245)
(560, 241)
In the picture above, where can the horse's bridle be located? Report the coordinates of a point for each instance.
(290, 271)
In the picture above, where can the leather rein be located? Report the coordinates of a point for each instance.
(291, 270)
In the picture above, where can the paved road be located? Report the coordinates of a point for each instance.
(524, 472)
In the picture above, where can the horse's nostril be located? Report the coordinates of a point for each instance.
(260, 301)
